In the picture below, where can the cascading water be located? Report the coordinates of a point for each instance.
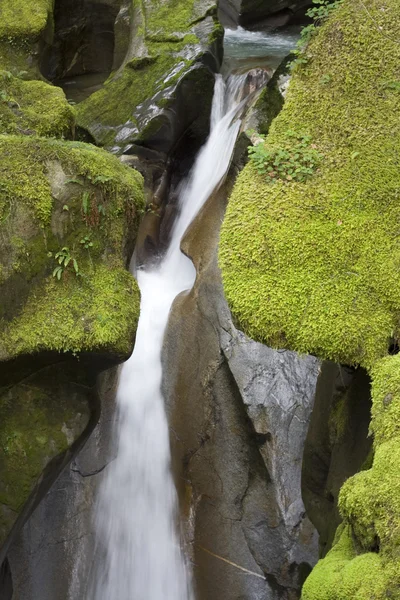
(136, 514)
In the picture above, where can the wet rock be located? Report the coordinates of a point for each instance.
(53, 554)
(239, 414)
(155, 97)
(337, 444)
(261, 13)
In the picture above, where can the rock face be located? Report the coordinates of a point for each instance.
(68, 220)
(260, 13)
(307, 267)
(154, 98)
(52, 556)
(239, 414)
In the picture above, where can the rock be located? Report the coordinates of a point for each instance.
(270, 101)
(238, 415)
(337, 444)
(260, 13)
(69, 220)
(34, 107)
(315, 295)
(89, 37)
(53, 554)
(154, 98)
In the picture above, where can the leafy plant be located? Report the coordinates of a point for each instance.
(319, 13)
(295, 160)
(64, 258)
(86, 242)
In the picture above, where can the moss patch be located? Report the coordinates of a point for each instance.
(313, 266)
(58, 194)
(33, 107)
(365, 562)
(40, 418)
(21, 18)
(22, 26)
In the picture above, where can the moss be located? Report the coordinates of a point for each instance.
(54, 194)
(22, 26)
(98, 310)
(39, 419)
(170, 41)
(369, 503)
(313, 266)
(344, 575)
(23, 173)
(33, 107)
(21, 18)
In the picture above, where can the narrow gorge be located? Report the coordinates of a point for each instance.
(199, 299)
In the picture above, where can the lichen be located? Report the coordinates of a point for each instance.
(313, 266)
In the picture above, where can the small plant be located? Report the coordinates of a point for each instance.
(319, 14)
(64, 258)
(86, 242)
(295, 160)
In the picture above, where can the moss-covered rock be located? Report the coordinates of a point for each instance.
(313, 265)
(365, 561)
(169, 42)
(40, 417)
(66, 195)
(24, 26)
(33, 107)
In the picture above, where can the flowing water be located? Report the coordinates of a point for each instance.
(136, 514)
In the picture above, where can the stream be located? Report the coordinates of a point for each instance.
(136, 515)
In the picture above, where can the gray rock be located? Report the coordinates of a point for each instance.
(239, 415)
(52, 557)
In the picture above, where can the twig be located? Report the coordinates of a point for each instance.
(232, 563)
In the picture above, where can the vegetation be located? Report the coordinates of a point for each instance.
(295, 160)
(39, 179)
(313, 265)
(319, 13)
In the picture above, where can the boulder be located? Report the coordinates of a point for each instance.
(154, 98)
(69, 215)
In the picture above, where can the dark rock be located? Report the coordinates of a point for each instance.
(52, 556)
(337, 444)
(258, 14)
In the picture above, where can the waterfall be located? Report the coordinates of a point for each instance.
(136, 514)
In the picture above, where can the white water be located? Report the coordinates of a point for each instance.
(136, 514)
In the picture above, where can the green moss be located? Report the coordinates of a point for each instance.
(22, 26)
(43, 184)
(34, 106)
(344, 575)
(369, 503)
(21, 18)
(313, 266)
(114, 104)
(39, 419)
(98, 310)
(167, 37)
(25, 165)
